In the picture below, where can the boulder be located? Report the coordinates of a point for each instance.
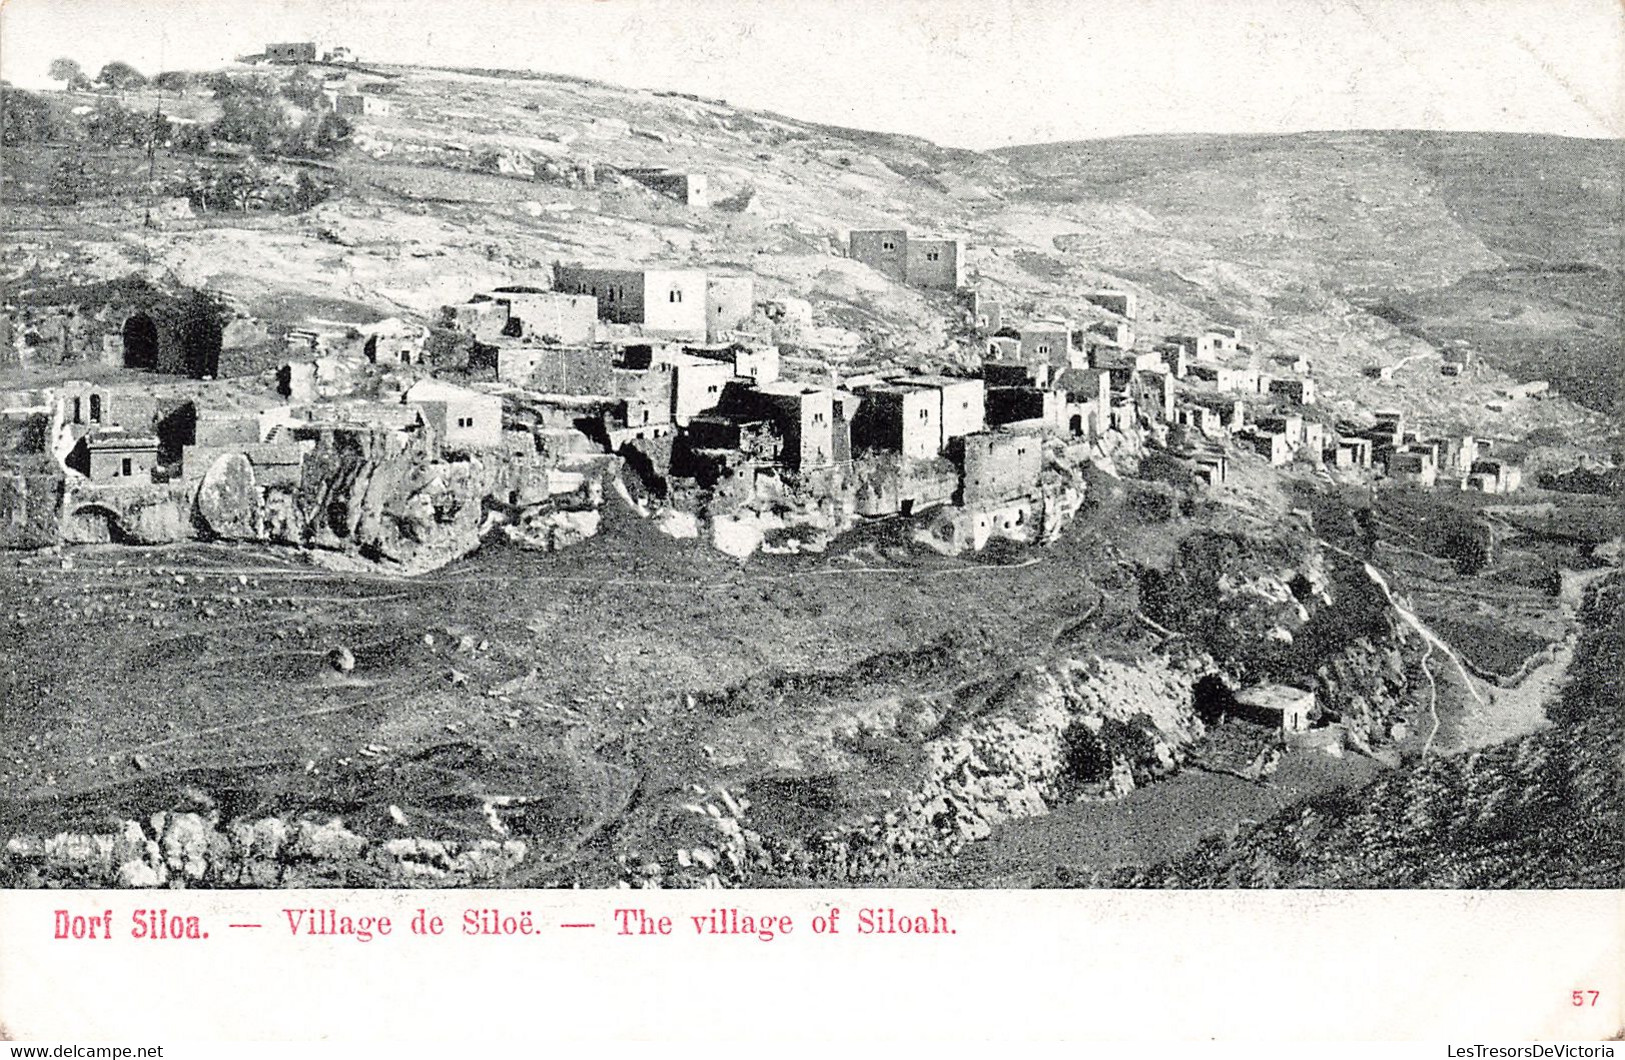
(228, 500)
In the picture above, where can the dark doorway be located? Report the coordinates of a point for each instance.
(201, 336)
(1077, 425)
(906, 507)
(140, 342)
(176, 429)
(1213, 699)
(94, 524)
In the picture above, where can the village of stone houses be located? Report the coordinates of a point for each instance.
(433, 477)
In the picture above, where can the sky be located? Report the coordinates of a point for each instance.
(965, 73)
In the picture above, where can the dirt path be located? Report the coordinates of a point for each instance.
(1433, 700)
(1433, 639)
(1517, 711)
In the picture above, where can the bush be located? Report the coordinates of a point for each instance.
(112, 124)
(317, 136)
(1468, 543)
(303, 90)
(26, 118)
(70, 178)
(224, 85)
(247, 188)
(196, 138)
(1087, 759)
(308, 192)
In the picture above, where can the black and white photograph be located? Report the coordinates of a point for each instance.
(742, 445)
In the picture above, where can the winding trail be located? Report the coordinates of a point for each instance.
(1430, 638)
(1433, 639)
(1433, 700)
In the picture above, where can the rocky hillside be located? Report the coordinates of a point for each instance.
(1509, 241)
(1547, 810)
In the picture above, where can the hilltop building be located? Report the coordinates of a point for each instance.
(1416, 467)
(690, 189)
(115, 456)
(1118, 333)
(1299, 391)
(394, 341)
(756, 362)
(557, 369)
(291, 52)
(986, 312)
(810, 419)
(919, 261)
(696, 382)
(1047, 342)
(999, 467)
(1495, 476)
(899, 418)
(551, 316)
(1122, 303)
(1280, 706)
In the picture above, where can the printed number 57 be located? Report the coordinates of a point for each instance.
(1578, 998)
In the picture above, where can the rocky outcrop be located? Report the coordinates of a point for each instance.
(30, 500)
(179, 850)
(1365, 685)
(409, 509)
(1051, 734)
(401, 510)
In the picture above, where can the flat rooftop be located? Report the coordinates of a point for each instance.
(1275, 697)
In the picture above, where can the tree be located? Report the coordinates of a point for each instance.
(68, 70)
(259, 123)
(194, 138)
(309, 191)
(303, 90)
(198, 139)
(120, 76)
(223, 84)
(327, 133)
(173, 81)
(114, 124)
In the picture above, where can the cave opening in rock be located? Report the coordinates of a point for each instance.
(140, 342)
(1212, 699)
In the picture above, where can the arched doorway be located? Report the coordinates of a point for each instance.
(140, 342)
(94, 525)
(201, 337)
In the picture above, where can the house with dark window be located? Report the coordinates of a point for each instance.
(461, 418)
(115, 457)
(667, 302)
(919, 261)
